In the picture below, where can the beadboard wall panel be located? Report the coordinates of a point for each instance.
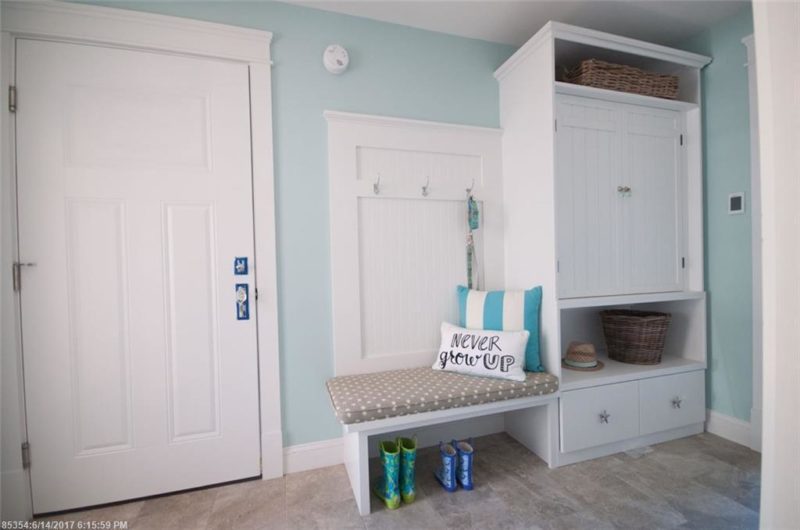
(410, 254)
(398, 254)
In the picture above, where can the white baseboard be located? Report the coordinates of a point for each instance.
(728, 427)
(303, 457)
(755, 429)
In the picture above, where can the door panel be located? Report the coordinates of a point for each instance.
(618, 190)
(134, 192)
(192, 334)
(588, 151)
(651, 212)
(99, 339)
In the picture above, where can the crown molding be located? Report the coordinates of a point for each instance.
(121, 27)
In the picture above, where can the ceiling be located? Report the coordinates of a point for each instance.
(514, 22)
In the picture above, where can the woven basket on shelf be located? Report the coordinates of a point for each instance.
(635, 337)
(600, 74)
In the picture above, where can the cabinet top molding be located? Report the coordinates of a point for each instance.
(559, 31)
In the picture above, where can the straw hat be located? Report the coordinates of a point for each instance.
(581, 356)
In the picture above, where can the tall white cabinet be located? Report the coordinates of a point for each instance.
(602, 193)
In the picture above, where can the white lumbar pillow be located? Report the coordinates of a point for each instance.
(486, 353)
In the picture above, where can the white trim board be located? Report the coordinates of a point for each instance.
(755, 219)
(128, 29)
(131, 29)
(728, 427)
(313, 455)
(392, 121)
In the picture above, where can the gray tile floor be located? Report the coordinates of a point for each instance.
(702, 482)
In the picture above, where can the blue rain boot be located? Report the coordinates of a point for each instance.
(446, 473)
(465, 454)
(388, 486)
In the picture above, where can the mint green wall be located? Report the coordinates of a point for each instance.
(395, 71)
(728, 257)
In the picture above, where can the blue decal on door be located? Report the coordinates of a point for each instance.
(240, 266)
(242, 302)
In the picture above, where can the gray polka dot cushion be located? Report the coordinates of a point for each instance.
(367, 397)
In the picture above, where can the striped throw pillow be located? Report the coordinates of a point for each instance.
(504, 311)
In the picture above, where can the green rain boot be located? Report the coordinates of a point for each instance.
(387, 488)
(408, 458)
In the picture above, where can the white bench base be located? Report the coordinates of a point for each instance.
(532, 421)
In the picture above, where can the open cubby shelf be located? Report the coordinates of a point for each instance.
(684, 351)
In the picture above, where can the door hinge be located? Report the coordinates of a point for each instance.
(15, 277)
(256, 290)
(558, 266)
(556, 125)
(16, 274)
(26, 455)
(683, 263)
(681, 139)
(12, 98)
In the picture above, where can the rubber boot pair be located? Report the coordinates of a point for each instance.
(456, 468)
(398, 459)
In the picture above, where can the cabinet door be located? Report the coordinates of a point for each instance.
(600, 415)
(651, 210)
(671, 401)
(588, 171)
(619, 180)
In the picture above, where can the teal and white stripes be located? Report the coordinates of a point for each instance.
(504, 311)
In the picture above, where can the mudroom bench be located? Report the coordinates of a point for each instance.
(384, 402)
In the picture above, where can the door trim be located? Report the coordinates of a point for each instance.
(755, 219)
(133, 30)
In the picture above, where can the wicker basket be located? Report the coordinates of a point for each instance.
(635, 337)
(600, 74)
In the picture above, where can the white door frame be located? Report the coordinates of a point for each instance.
(755, 217)
(133, 30)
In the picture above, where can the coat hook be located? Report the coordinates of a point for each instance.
(376, 186)
(471, 186)
(426, 186)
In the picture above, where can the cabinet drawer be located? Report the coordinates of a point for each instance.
(672, 401)
(583, 412)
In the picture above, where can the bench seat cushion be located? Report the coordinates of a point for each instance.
(376, 396)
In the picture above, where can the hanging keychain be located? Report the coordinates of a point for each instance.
(473, 222)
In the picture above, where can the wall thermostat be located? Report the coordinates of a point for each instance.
(736, 203)
(335, 59)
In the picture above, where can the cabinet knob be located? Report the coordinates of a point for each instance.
(676, 402)
(604, 417)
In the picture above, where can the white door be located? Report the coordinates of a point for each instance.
(589, 170)
(618, 188)
(134, 195)
(651, 209)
